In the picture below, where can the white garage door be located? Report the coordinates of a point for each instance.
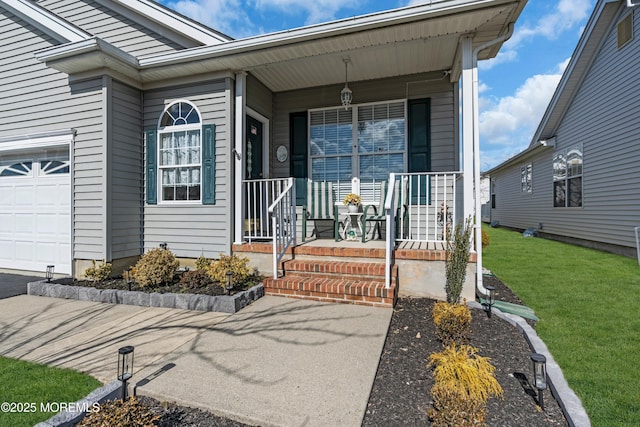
(35, 213)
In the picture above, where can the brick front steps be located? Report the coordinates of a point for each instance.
(320, 278)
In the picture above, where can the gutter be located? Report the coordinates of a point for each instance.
(476, 155)
(372, 21)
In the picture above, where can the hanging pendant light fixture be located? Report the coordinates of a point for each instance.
(346, 96)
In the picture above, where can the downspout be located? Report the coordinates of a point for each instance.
(476, 155)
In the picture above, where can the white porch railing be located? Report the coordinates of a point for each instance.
(283, 217)
(259, 196)
(425, 209)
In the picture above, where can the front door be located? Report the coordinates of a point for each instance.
(254, 168)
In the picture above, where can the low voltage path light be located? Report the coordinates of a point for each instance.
(127, 277)
(49, 273)
(490, 295)
(539, 375)
(229, 282)
(125, 367)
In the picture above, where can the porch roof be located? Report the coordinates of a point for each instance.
(403, 41)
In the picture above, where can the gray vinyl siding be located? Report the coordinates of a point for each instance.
(35, 99)
(194, 229)
(520, 209)
(443, 111)
(125, 34)
(603, 117)
(126, 172)
(259, 97)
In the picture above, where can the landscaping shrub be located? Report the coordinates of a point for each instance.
(451, 410)
(155, 267)
(237, 265)
(457, 253)
(195, 279)
(453, 322)
(130, 413)
(485, 239)
(202, 263)
(98, 272)
(464, 381)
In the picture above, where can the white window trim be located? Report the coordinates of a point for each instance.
(170, 129)
(355, 172)
(567, 178)
(526, 186)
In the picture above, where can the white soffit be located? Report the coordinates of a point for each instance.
(299, 60)
(45, 21)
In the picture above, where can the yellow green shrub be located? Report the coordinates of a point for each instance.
(464, 381)
(485, 239)
(202, 262)
(452, 409)
(237, 265)
(155, 267)
(462, 371)
(130, 413)
(453, 322)
(98, 272)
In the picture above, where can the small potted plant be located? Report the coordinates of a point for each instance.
(352, 201)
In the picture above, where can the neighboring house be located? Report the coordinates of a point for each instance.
(578, 180)
(126, 125)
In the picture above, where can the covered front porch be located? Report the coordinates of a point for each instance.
(367, 260)
(404, 138)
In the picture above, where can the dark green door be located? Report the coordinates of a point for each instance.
(253, 149)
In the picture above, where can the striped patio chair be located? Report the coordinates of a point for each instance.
(376, 214)
(320, 206)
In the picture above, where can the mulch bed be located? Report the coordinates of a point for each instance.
(400, 393)
(175, 288)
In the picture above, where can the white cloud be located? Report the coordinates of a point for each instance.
(566, 15)
(316, 10)
(507, 124)
(222, 15)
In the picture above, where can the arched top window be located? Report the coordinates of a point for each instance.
(180, 153)
(179, 113)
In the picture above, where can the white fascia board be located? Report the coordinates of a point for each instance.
(163, 16)
(93, 44)
(37, 140)
(568, 75)
(344, 26)
(45, 20)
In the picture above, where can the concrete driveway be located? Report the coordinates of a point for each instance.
(14, 284)
(278, 362)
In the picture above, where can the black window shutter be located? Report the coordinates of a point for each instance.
(299, 154)
(151, 166)
(420, 148)
(208, 165)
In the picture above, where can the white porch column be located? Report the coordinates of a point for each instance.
(468, 123)
(238, 153)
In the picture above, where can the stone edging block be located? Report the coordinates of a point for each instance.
(219, 303)
(569, 402)
(70, 418)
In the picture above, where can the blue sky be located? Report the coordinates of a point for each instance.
(515, 87)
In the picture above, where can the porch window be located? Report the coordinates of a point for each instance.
(179, 153)
(567, 177)
(368, 141)
(525, 178)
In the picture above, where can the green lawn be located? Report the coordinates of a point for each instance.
(27, 385)
(588, 303)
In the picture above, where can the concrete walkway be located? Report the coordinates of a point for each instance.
(278, 362)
